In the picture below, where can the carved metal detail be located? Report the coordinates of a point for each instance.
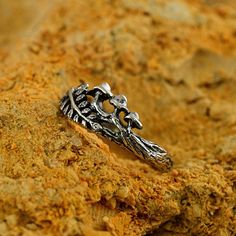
(86, 107)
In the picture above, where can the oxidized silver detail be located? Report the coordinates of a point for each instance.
(77, 106)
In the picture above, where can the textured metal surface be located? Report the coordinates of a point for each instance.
(86, 107)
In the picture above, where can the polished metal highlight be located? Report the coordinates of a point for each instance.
(86, 107)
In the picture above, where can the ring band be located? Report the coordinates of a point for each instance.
(78, 106)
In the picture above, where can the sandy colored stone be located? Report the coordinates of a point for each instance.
(176, 63)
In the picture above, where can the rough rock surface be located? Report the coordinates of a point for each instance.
(174, 60)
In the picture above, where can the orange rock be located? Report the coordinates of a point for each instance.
(174, 60)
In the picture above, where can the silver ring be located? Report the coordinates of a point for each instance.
(86, 107)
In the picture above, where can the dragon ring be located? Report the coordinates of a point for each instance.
(86, 107)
